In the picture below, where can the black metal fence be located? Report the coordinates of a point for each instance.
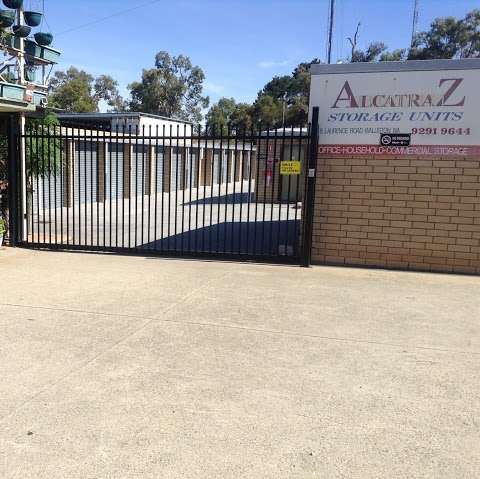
(170, 190)
(4, 179)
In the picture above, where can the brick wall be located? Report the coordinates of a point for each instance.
(419, 214)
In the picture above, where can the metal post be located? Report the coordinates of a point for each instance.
(414, 23)
(330, 31)
(21, 55)
(14, 187)
(310, 192)
(22, 158)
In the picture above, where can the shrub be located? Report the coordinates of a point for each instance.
(3, 227)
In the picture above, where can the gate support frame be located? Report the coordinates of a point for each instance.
(310, 191)
(15, 207)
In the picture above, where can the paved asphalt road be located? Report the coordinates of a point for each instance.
(132, 367)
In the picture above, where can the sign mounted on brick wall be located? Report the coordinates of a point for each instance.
(436, 102)
(396, 139)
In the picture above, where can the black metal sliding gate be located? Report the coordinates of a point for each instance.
(169, 190)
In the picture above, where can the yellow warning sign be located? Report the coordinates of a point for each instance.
(290, 167)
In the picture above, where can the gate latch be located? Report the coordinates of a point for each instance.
(311, 172)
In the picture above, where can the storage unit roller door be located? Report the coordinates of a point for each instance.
(176, 168)
(225, 166)
(216, 165)
(188, 168)
(160, 159)
(114, 171)
(191, 168)
(49, 186)
(85, 172)
(138, 170)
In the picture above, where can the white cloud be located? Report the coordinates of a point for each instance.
(267, 64)
(214, 88)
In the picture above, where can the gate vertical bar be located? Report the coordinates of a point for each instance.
(54, 168)
(183, 181)
(31, 192)
(227, 178)
(164, 163)
(212, 184)
(204, 204)
(220, 183)
(178, 155)
(149, 159)
(156, 152)
(90, 149)
(310, 191)
(142, 185)
(197, 182)
(236, 158)
(22, 192)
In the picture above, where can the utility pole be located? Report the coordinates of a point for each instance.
(330, 31)
(414, 22)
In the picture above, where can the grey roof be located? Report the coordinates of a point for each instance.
(409, 65)
(277, 133)
(130, 114)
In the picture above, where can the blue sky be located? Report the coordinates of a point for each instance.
(240, 44)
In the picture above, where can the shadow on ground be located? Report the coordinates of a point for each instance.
(263, 238)
(230, 199)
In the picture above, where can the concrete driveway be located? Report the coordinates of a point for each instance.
(133, 367)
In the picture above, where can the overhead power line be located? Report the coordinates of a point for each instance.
(103, 19)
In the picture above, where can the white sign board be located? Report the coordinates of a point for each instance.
(439, 109)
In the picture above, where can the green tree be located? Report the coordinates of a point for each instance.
(371, 54)
(227, 113)
(267, 111)
(220, 114)
(174, 88)
(394, 56)
(449, 38)
(106, 89)
(375, 51)
(241, 119)
(282, 101)
(278, 86)
(42, 155)
(287, 93)
(42, 147)
(78, 91)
